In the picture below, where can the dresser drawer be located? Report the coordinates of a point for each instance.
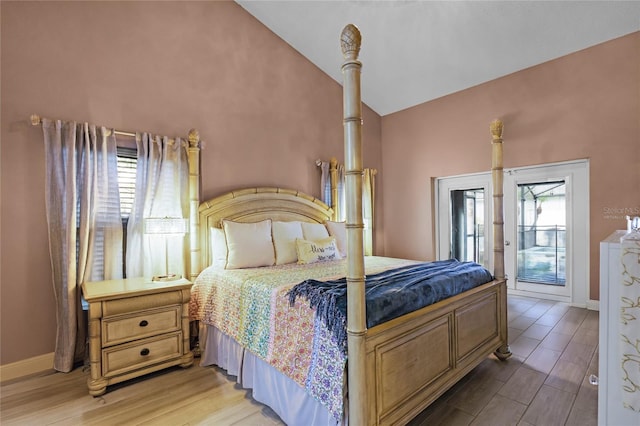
(138, 325)
(128, 357)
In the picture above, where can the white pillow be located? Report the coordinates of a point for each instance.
(249, 245)
(218, 248)
(339, 231)
(284, 241)
(316, 251)
(314, 231)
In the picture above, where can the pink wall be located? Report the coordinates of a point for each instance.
(264, 113)
(581, 106)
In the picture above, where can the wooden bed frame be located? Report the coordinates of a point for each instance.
(438, 344)
(398, 368)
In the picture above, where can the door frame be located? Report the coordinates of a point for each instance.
(578, 240)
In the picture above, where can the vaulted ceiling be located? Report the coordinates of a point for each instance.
(416, 51)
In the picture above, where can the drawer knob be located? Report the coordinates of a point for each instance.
(144, 352)
(144, 323)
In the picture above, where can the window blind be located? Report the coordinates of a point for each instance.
(127, 162)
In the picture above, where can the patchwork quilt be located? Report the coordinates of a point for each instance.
(280, 312)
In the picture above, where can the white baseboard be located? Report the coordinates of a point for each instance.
(26, 367)
(593, 305)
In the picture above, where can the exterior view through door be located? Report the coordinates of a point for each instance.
(541, 233)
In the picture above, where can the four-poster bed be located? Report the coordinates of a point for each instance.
(396, 368)
(436, 344)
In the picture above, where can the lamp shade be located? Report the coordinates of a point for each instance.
(165, 225)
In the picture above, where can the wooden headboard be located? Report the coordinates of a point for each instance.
(255, 204)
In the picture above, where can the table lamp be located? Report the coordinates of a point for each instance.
(166, 227)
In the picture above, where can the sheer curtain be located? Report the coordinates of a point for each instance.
(85, 228)
(162, 190)
(368, 203)
(325, 182)
(325, 189)
(368, 199)
(341, 207)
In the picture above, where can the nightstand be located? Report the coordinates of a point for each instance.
(136, 327)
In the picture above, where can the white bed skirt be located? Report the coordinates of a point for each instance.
(269, 386)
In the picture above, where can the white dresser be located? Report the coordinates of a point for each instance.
(610, 409)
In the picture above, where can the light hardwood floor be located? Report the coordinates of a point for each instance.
(545, 383)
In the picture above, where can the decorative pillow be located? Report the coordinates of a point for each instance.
(218, 248)
(249, 245)
(314, 231)
(284, 241)
(316, 251)
(339, 231)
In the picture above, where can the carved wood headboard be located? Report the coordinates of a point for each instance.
(253, 205)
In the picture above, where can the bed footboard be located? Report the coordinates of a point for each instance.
(414, 359)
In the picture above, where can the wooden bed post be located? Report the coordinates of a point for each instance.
(497, 173)
(356, 314)
(194, 203)
(498, 221)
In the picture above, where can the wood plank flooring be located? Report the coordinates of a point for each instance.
(545, 382)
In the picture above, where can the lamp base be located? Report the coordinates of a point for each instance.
(167, 277)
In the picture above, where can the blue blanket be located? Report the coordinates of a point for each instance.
(391, 293)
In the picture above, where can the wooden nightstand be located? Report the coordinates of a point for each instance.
(136, 327)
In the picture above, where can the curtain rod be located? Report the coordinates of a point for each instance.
(192, 141)
(36, 120)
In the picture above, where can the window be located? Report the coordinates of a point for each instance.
(127, 164)
(467, 225)
(541, 232)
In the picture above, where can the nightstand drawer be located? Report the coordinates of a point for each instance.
(142, 353)
(125, 328)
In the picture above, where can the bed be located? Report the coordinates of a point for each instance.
(253, 326)
(439, 343)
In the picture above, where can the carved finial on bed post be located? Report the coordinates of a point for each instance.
(194, 138)
(496, 129)
(350, 41)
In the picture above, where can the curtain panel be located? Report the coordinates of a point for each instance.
(83, 218)
(368, 203)
(162, 190)
(368, 199)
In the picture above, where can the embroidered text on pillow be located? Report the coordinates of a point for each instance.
(316, 251)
